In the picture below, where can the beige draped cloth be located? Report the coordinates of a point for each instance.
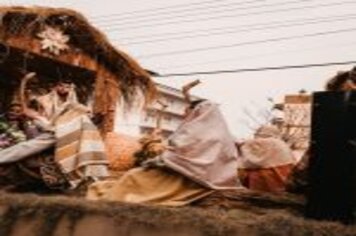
(202, 158)
(79, 150)
(149, 186)
(266, 161)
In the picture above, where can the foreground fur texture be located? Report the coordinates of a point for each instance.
(241, 214)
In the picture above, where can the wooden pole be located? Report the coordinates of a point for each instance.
(186, 88)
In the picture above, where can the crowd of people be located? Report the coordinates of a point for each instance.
(201, 156)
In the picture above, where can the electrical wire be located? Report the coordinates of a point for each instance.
(261, 27)
(259, 69)
(279, 39)
(334, 46)
(153, 10)
(214, 11)
(181, 21)
(223, 29)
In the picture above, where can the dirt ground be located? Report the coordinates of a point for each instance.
(223, 214)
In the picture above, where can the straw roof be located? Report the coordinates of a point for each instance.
(26, 23)
(118, 76)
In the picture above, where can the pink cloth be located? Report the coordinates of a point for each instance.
(266, 150)
(203, 149)
(265, 153)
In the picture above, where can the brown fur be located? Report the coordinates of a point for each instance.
(241, 219)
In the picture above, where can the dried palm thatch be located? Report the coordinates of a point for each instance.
(118, 75)
(249, 214)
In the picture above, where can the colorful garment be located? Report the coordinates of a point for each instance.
(298, 179)
(52, 106)
(23, 165)
(266, 161)
(151, 186)
(203, 150)
(79, 150)
(10, 134)
(38, 173)
(202, 158)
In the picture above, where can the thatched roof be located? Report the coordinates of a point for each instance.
(26, 23)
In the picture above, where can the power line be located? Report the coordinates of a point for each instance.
(261, 27)
(214, 11)
(259, 69)
(200, 3)
(239, 8)
(229, 16)
(169, 53)
(279, 52)
(109, 18)
(193, 32)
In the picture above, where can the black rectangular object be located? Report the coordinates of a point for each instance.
(331, 193)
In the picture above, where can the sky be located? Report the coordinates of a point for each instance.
(171, 36)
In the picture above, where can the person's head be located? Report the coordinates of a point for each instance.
(14, 112)
(343, 81)
(63, 87)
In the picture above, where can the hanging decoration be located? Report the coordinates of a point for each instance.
(53, 40)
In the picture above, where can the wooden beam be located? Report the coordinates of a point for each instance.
(20, 61)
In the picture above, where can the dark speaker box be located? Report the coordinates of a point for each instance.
(331, 192)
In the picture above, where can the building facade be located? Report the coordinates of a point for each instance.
(295, 122)
(297, 117)
(138, 122)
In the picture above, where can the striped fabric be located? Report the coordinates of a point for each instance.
(80, 151)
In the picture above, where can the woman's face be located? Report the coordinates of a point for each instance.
(63, 88)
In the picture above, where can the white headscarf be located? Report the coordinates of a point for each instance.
(52, 104)
(203, 149)
(266, 150)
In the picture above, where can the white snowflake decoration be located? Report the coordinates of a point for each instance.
(53, 40)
